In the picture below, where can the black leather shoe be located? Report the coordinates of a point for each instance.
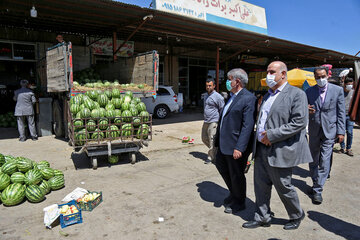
(295, 223)
(317, 198)
(22, 139)
(255, 224)
(34, 138)
(234, 208)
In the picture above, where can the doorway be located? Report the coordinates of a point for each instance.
(197, 80)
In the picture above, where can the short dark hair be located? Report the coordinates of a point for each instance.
(321, 68)
(210, 80)
(347, 80)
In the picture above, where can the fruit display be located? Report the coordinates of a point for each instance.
(67, 210)
(8, 120)
(107, 115)
(88, 79)
(88, 197)
(21, 177)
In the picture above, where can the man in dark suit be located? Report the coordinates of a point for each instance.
(281, 144)
(235, 128)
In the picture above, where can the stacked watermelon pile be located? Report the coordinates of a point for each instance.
(21, 177)
(108, 115)
(8, 120)
(89, 78)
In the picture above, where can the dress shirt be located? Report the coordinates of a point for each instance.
(228, 104)
(322, 92)
(265, 109)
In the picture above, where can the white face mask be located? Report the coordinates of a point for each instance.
(270, 80)
(321, 82)
(349, 87)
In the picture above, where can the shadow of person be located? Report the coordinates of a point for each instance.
(302, 186)
(303, 173)
(200, 155)
(337, 226)
(212, 192)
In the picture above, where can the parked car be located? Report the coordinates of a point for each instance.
(164, 103)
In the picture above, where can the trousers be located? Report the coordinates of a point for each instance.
(208, 132)
(21, 125)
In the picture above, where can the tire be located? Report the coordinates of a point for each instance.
(58, 124)
(161, 111)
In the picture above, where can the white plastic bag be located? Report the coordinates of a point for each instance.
(51, 213)
(76, 194)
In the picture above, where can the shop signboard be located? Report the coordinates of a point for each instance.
(232, 13)
(105, 47)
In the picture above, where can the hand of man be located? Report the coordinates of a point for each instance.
(237, 154)
(340, 137)
(311, 109)
(265, 139)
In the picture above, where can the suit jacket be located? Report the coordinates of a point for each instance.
(286, 129)
(330, 116)
(237, 125)
(25, 99)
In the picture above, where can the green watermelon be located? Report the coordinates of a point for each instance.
(126, 130)
(108, 93)
(129, 93)
(45, 187)
(85, 113)
(95, 113)
(9, 167)
(97, 105)
(24, 164)
(134, 112)
(93, 94)
(17, 177)
(9, 158)
(91, 125)
(136, 122)
(126, 116)
(90, 104)
(82, 106)
(116, 102)
(97, 135)
(115, 93)
(47, 173)
(5, 181)
(78, 124)
(126, 99)
(144, 115)
(143, 132)
(110, 106)
(125, 106)
(136, 100)
(34, 193)
(78, 115)
(103, 123)
(102, 112)
(117, 113)
(58, 172)
(110, 113)
(102, 100)
(13, 194)
(141, 86)
(44, 162)
(2, 159)
(141, 107)
(113, 159)
(56, 182)
(75, 108)
(76, 100)
(33, 176)
(81, 137)
(112, 132)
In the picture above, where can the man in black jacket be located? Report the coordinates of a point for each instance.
(234, 132)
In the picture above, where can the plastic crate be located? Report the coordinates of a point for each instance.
(90, 205)
(67, 220)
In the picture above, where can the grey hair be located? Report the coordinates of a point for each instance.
(240, 74)
(24, 83)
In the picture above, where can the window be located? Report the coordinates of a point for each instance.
(24, 52)
(5, 50)
(162, 92)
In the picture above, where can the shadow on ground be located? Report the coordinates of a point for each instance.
(200, 155)
(337, 226)
(188, 115)
(82, 161)
(8, 133)
(212, 192)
